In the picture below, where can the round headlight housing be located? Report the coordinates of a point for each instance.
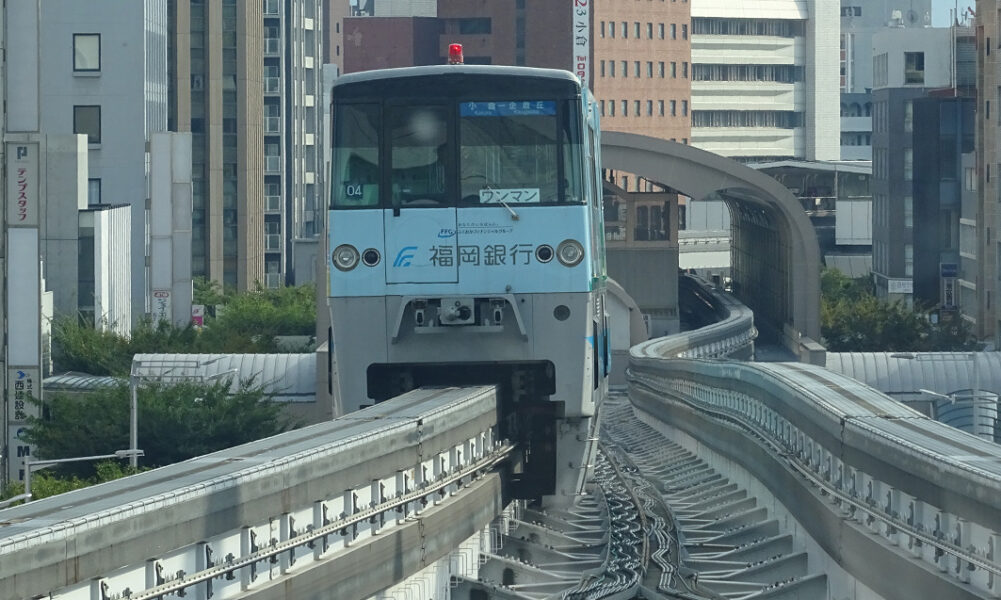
(345, 257)
(544, 253)
(371, 257)
(570, 253)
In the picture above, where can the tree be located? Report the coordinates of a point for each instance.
(853, 319)
(246, 323)
(176, 422)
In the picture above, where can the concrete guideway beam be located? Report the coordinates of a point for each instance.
(251, 515)
(775, 238)
(881, 488)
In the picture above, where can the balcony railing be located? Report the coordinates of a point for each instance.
(272, 125)
(273, 203)
(271, 7)
(273, 242)
(272, 45)
(272, 85)
(272, 280)
(273, 164)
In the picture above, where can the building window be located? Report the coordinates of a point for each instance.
(636, 108)
(908, 211)
(914, 67)
(601, 29)
(660, 69)
(611, 68)
(93, 191)
(625, 108)
(636, 68)
(674, 31)
(684, 108)
(636, 30)
(611, 29)
(611, 108)
(684, 31)
(649, 69)
(674, 70)
(649, 31)
(602, 68)
(87, 120)
(625, 30)
(649, 108)
(684, 69)
(674, 108)
(970, 179)
(908, 116)
(908, 260)
(660, 30)
(86, 52)
(660, 107)
(908, 164)
(603, 108)
(474, 26)
(625, 68)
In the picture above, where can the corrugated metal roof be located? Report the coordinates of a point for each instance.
(78, 382)
(285, 377)
(904, 373)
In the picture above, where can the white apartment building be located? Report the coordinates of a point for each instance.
(765, 78)
(105, 76)
(293, 147)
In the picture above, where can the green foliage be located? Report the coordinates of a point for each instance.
(46, 483)
(854, 320)
(209, 292)
(176, 422)
(246, 323)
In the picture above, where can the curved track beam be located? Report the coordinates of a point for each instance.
(776, 258)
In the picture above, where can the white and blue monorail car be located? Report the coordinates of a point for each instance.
(467, 247)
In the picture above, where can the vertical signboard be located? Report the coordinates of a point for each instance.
(23, 295)
(23, 384)
(581, 19)
(162, 310)
(22, 185)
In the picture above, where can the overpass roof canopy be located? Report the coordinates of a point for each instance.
(904, 373)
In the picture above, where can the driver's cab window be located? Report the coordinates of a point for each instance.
(418, 138)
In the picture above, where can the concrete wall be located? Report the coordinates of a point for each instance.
(170, 224)
(66, 194)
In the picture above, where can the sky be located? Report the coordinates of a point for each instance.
(941, 8)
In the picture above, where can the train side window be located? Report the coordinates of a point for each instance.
(355, 177)
(418, 137)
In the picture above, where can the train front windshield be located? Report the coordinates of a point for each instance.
(468, 153)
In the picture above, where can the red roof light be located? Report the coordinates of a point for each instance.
(455, 54)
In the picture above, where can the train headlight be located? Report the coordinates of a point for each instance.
(570, 253)
(345, 257)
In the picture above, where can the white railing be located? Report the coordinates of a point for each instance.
(272, 203)
(273, 164)
(272, 85)
(272, 124)
(272, 45)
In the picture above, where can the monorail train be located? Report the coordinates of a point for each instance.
(467, 247)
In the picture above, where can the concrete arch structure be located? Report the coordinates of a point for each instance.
(775, 258)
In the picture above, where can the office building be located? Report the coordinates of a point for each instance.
(217, 94)
(765, 79)
(105, 76)
(907, 65)
(859, 22)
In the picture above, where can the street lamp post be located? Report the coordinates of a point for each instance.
(35, 465)
(980, 401)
